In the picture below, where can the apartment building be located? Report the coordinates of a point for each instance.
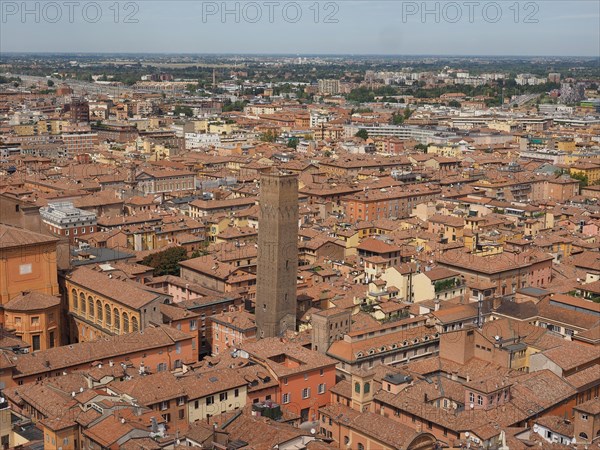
(63, 219)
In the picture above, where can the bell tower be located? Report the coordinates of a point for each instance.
(362, 390)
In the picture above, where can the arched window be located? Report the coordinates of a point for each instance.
(360, 446)
(90, 307)
(82, 301)
(74, 299)
(134, 324)
(357, 387)
(116, 320)
(583, 436)
(367, 388)
(107, 315)
(125, 323)
(99, 310)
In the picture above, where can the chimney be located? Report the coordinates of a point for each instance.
(497, 302)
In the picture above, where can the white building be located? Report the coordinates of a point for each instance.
(201, 140)
(64, 219)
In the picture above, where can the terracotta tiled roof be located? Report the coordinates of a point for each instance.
(31, 301)
(87, 352)
(16, 237)
(124, 292)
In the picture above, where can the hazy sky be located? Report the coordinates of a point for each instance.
(544, 27)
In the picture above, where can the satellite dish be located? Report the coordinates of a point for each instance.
(535, 428)
(313, 431)
(467, 434)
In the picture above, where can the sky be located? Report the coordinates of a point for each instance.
(469, 27)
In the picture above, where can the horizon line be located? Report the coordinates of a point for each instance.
(357, 55)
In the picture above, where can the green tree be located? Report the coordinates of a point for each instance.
(167, 261)
(397, 119)
(293, 142)
(454, 104)
(269, 136)
(583, 179)
(50, 83)
(407, 113)
(186, 110)
(362, 133)
(361, 95)
(421, 147)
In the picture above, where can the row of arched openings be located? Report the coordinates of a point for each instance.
(103, 314)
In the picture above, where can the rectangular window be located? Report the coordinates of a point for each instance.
(36, 342)
(236, 393)
(306, 393)
(181, 414)
(25, 269)
(35, 320)
(321, 388)
(285, 398)
(223, 396)
(193, 325)
(164, 405)
(180, 401)
(210, 400)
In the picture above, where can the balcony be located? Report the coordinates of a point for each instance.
(448, 285)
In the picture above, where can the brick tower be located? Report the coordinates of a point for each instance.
(277, 255)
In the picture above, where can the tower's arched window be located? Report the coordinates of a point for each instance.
(107, 317)
(357, 387)
(367, 388)
(134, 324)
(117, 319)
(125, 322)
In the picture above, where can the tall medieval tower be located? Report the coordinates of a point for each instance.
(277, 255)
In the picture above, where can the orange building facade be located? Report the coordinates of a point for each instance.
(27, 264)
